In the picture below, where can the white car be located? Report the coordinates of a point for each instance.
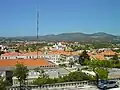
(108, 84)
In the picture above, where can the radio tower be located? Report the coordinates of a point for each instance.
(37, 28)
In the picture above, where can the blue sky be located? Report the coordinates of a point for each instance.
(18, 17)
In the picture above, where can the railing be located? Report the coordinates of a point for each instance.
(57, 85)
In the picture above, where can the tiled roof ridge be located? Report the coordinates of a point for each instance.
(26, 62)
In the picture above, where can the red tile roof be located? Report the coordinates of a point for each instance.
(63, 52)
(99, 57)
(11, 54)
(40, 53)
(31, 53)
(26, 62)
(108, 53)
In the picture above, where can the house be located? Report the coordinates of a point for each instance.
(54, 56)
(108, 54)
(60, 56)
(7, 65)
(50, 68)
(16, 55)
(3, 48)
(97, 56)
(102, 55)
(10, 55)
(59, 46)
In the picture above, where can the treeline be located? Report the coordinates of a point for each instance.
(104, 63)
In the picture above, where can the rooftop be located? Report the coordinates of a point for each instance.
(26, 62)
(40, 53)
(108, 53)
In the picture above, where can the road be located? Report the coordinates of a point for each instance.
(115, 89)
(93, 88)
(75, 88)
(78, 88)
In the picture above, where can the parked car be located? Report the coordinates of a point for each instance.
(25, 88)
(108, 84)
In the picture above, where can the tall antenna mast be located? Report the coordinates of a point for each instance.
(37, 28)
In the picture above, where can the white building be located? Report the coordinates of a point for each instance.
(58, 46)
(3, 48)
(7, 65)
(56, 56)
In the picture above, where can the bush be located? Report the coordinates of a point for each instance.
(73, 76)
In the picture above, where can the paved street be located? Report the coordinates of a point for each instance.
(94, 88)
(115, 89)
(80, 88)
(76, 88)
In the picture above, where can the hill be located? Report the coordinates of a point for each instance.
(80, 37)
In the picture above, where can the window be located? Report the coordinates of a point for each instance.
(111, 82)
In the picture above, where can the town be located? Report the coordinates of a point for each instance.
(59, 45)
(57, 62)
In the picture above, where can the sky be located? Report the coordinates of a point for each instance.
(18, 17)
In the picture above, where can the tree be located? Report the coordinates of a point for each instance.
(3, 83)
(71, 63)
(79, 76)
(51, 81)
(62, 65)
(115, 57)
(73, 76)
(41, 72)
(27, 49)
(43, 77)
(1, 52)
(98, 64)
(102, 73)
(21, 72)
(99, 68)
(93, 65)
(84, 56)
(40, 81)
(17, 50)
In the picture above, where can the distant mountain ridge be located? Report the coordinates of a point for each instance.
(80, 37)
(100, 36)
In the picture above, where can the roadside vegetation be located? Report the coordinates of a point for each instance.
(21, 73)
(73, 76)
(3, 83)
